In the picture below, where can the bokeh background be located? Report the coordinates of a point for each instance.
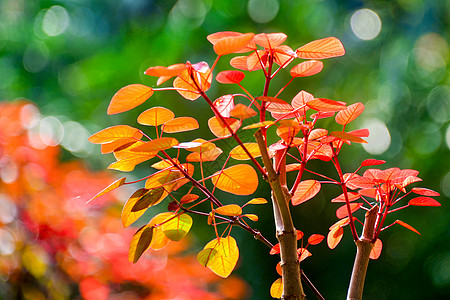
(69, 57)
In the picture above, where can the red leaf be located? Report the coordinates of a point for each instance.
(360, 132)
(275, 249)
(305, 191)
(372, 162)
(342, 211)
(230, 77)
(307, 68)
(320, 49)
(424, 192)
(423, 201)
(399, 222)
(315, 239)
(326, 105)
(352, 196)
(350, 113)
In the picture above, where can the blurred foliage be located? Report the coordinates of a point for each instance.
(70, 57)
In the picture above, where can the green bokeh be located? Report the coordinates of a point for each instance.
(71, 60)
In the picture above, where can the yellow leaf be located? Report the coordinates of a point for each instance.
(156, 145)
(238, 180)
(109, 188)
(177, 227)
(238, 152)
(252, 217)
(140, 243)
(138, 203)
(155, 116)
(129, 97)
(258, 125)
(220, 255)
(180, 124)
(257, 201)
(159, 240)
(210, 155)
(231, 210)
(276, 289)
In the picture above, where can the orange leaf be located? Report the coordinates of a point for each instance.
(252, 217)
(155, 116)
(270, 99)
(317, 133)
(315, 239)
(180, 124)
(351, 197)
(240, 62)
(350, 113)
(275, 249)
(232, 210)
(117, 145)
(190, 83)
(129, 97)
(140, 243)
(237, 179)
(213, 38)
(138, 203)
(115, 133)
(303, 253)
(255, 59)
(232, 44)
(188, 198)
(320, 49)
(269, 40)
(238, 152)
(210, 155)
(256, 201)
(305, 191)
(325, 105)
(399, 222)
(342, 211)
(109, 188)
(335, 236)
(219, 129)
(347, 137)
(424, 192)
(242, 111)
(301, 99)
(307, 68)
(376, 250)
(230, 77)
(258, 125)
(423, 201)
(156, 145)
(128, 164)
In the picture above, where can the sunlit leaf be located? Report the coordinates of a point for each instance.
(232, 44)
(239, 62)
(180, 124)
(270, 40)
(376, 250)
(350, 113)
(347, 136)
(423, 201)
(257, 201)
(424, 192)
(220, 255)
(342, 211)
(109, 188)
(237, 179)
(256, 60)
(270, 99)
(399, 222)
(166, 178)
(232, 210)
(317, 133)
(275, 249)
(190, 83)
(283, 55)
(352, 196)
(356, 181)
(252, 217)
(115, 133)
(219, 129)
(276, 289)
(325, 105)
(301, 99)
(410, 179)
(224, 105)
(258, 125)
(157, 145)
(315, 239)
(138, 203)
(129, 97)
(320, 49)
(372, 162)
(155, 116)
(160, 240)
(117, 145)
(307, 68)
(242, 111)
(230, 77)
(305, 191)
(189, 198)
(177, 227)
(303, 253)
(165, 163)
(128, 164)
(278, 269)
(165, 73)
(334, 236)
(140, 243)
(210, 155)
(360, 132)
(238, 152)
